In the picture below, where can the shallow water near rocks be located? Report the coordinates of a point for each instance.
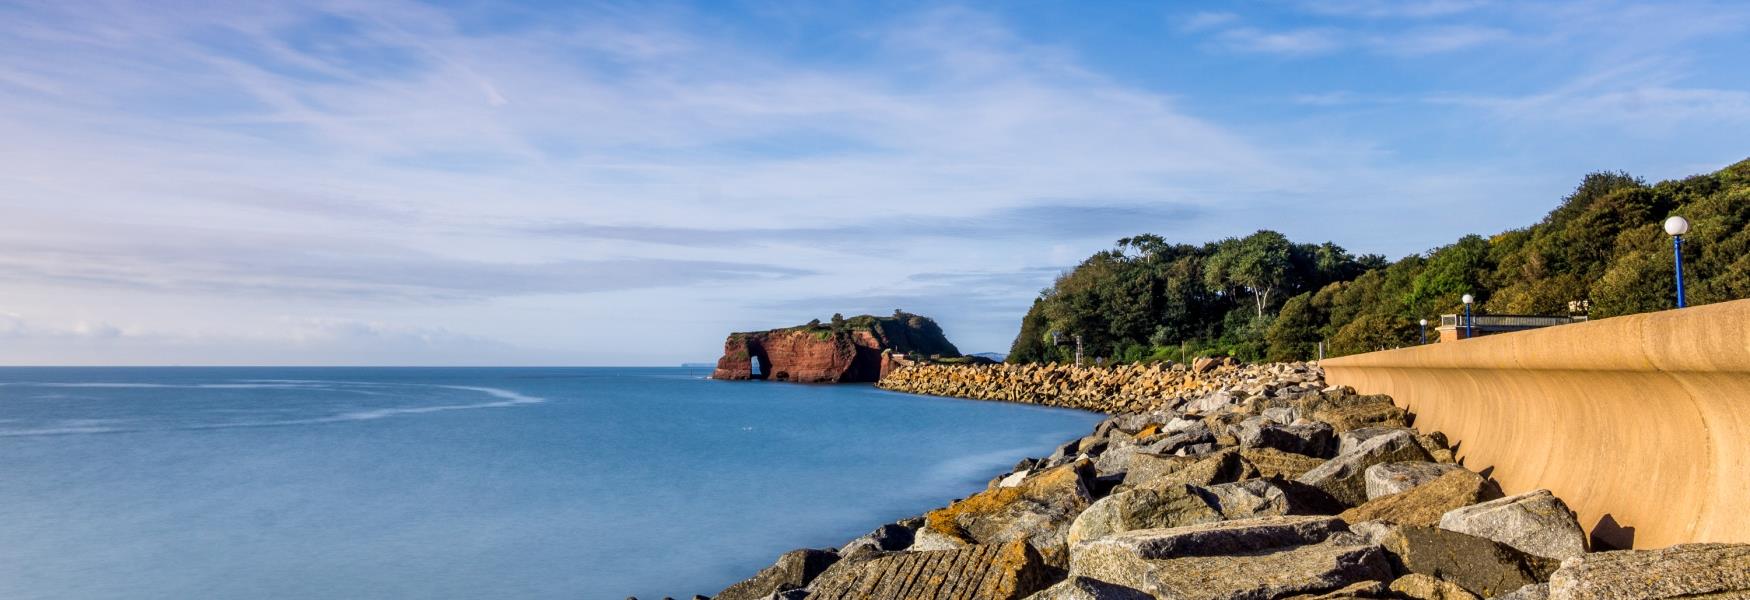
(463, 483)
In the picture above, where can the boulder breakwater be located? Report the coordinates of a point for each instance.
(1225, 481)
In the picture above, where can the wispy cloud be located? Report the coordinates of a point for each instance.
(1208, 20)
(1394, 9)
(1042, 221)
(490, 170)
(1288, 41)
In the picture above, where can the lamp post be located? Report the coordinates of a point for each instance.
(1470, 326)
(1676, 227)
(1424, 331)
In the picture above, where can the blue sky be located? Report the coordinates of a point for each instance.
(623, 183)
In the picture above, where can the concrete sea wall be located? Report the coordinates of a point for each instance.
(1641, 423)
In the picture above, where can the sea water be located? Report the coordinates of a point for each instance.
(576, 483)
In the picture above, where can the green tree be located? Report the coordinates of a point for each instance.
(1258, 264)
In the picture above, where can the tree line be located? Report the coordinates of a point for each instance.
(1265, 297)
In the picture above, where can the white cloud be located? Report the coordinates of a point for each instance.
(1393, 9)
(1208, 20)
(1287, 42)
(192, 175)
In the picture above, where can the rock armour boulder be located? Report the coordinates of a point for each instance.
(1536, 522)
(793, 570)
(1682, 571)
(987, 572)
(1425, 504)
(1270, 557)
(1344, 477)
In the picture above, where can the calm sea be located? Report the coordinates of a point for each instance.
(577, 483)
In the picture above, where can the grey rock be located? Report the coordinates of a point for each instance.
(891, 537)
(1344, 477)
(1535, 522)
(1271, 462)
(1038, 510)
(1308, 438)
(1348, 440)
(1385, 479)
(1268, 497)
(1215, 468)
(1144, 508)
(1083, 588)
(1008, 571)
(1535, 591)
(794, 569)
(1428, 587)
(1195, 434)
(1682, 571)
(1282, 415)
(1066, 450)
(1232, 537)
(1116, 459)
(1483, 567)
(1178, 424)
(1214, 402)
(924, 540)
(1427, 503)
(1271, 557)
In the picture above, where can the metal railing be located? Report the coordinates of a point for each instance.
(1510, 320)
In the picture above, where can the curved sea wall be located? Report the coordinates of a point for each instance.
(1231, 482)
(1641, 422)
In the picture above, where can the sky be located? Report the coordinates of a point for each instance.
(622, 183)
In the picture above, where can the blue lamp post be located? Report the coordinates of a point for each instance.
(1676, 227)
(1424, 331)
(1470, 327)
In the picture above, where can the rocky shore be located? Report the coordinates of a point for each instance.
(1223, 481)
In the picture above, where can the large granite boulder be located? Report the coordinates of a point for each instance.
(1425, 504)
(1306, 438)
(1483, 567)
(1344, 477)
(794, 569)
(1360, 590)
(1345, 412)
(1682, 571)
(1116, 459)
(1183, 441)
(1215, 468)
(1269, 497)
(1038, 510)
(1392, 478)
(1536, 591)
(891, 537)
(1269, 557)
(1152, 507)
(1348, 440)
(1423, 587)
(1271, 462)
(1536, 522)
(1009, 571)
(1435, 443)
(1083, 588)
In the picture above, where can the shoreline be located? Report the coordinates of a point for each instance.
(1240, 467)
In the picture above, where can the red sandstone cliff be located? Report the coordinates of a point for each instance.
(851, 350)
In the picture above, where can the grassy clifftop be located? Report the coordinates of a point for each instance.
(903, 332)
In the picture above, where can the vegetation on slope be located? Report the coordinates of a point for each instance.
(1265, 297)
(904, 332)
